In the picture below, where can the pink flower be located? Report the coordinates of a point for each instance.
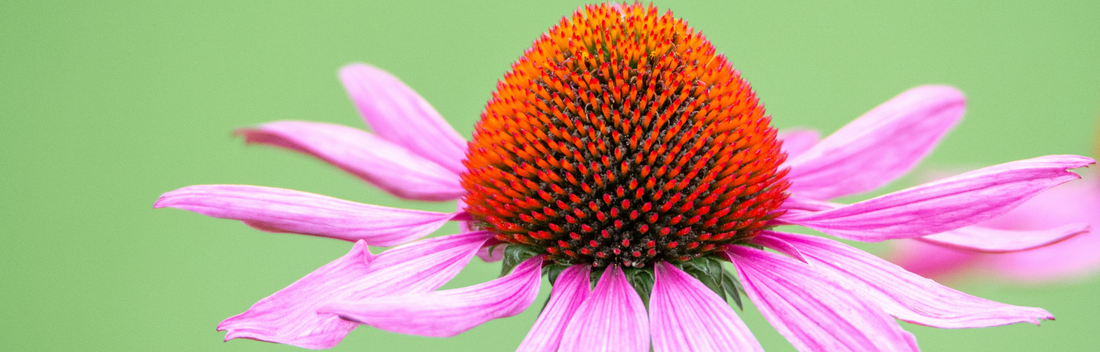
(1068, 209)
(622, 150)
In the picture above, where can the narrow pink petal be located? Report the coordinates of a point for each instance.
(395, 112)
(384, 164)
(903, 294)
(779, 245)
(879, 146)
(287, 211)
(570, 290)
(800, 204)
(685, 315)
(290, 315)
(612, 319)
(450, 312)
(812, 311)
(943, 205)
(797, 141)
(987, 240)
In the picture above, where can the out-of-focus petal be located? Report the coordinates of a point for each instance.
(813, 312)
(943, 205)
(797, 141)
(1076, 257)
(570, 290)
(879, 146)
(612, 319)
(929, 260)
(395, 112)
(384, 164)
(905, 295)
(685, 315)
(286, 211)
(987, 240)
(450, 312)
(1072, 259)
(290, 315)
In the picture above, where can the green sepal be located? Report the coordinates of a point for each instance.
(514, 255)
(733, 288)
(552, 271)
(709, 271)
(642, 280)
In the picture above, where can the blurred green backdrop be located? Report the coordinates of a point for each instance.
(104, 106)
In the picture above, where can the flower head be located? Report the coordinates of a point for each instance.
(622, 138)
(621, 151)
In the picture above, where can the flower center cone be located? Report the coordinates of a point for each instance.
(621, 137)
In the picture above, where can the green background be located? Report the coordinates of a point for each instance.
(104, 106)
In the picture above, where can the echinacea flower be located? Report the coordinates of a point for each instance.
(1067, 209)
(622, 151)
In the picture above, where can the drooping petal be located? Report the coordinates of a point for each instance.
(450, 312)
(879, 146)
(797, 141)
(685, 315)
(395, 112)
(612, 319)
(812, 311)
(779, 245)
(903, 294)
(987, 240)
(384, 164)
(943, 205)
(570, 290)
(290, 315)
(287, 211)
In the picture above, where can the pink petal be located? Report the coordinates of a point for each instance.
(879, 146)
(903, 294)
(982, 239)
(779, 245)
(797, 141)
(810, 310)
(287, 211)
(685, 315)
(395, 112)
(570, 290)
(943, 205)
(384, 164)
(801, 204)
(289, 316)
(450, 312)
(612, 319)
